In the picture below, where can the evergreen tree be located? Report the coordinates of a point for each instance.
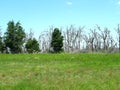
(1, 44)
(32, 45)
(14, 37)
(57, 41)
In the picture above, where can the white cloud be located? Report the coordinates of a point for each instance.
(69, 3)
(118, 2)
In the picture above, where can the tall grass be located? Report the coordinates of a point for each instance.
(60, 72)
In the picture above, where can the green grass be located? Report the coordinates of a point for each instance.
(60, 72)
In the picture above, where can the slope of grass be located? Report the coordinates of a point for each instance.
(60, 72)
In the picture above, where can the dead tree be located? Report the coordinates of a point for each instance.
(80, 30)
(104, 35)
(118, 31)
(87, 42)
(112, 44)
(92, 36)
(72, 39)
(69, 38)
(45, 40)
(97, 40)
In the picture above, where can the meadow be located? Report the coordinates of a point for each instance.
(59, 71)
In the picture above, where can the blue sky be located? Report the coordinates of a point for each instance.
(40, 14)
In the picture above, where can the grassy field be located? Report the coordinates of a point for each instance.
(60, 72)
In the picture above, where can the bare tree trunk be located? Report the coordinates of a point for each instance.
(119, 38)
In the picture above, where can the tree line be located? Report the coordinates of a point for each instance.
(15, 40)
(76, 40)
(56, 40)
